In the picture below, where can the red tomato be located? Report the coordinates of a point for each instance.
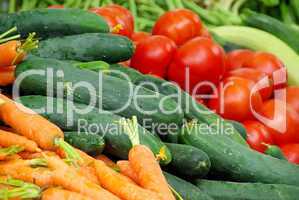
(179, 25)
(56, 6)
(291, 152)
(119, 19)
(205, 33)
(139, 36)
(255, 76)
(267, 63)
(293, 97)
(236, 58)
(153, 55)
(257, 135)
(205, 61)
(281, 115)
(235, 100)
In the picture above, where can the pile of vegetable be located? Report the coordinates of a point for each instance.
(211, 87)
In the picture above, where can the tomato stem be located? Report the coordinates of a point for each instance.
(178, 3)
(133, 9)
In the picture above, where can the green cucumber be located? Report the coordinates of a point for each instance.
(188, 160)
(221, 190)
(53, 22)
(239, 127)
(85, 141)
(237, 162)
(191, 109)
(67, 116)
(110, 93)
(86, 47)
(264, 22)
(185, 189)
(275, 151)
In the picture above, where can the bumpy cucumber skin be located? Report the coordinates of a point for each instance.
(186, 190)
(188, 160)
(87, 142)
(113, 93)
(238, 162)
(53, 22)
(221, 190)
(98, 122)
(86, 47)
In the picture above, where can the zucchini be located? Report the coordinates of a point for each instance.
(85, 141)
(269, 24)
(53, 22)
(259, 40)
(188, 161)
(118, 96)
(191, 109)
(275, 151)
(86, 47)
(67, 116)
(185, 189)
(221, 190)
(237, 162)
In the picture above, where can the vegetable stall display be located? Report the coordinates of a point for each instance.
(203, 142)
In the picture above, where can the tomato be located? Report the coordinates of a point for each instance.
(153, 55)
(234, 99)
(268, 63)
(205, 33)
(293, 97)
(284, 121)
(119, 19)
(139, 36)
(203, 59)
(257, 135)
(236, 58)
(56, 7)
(179, 25)
(291, 152)
(255, 76)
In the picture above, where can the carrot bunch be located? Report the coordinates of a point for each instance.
(12, 52)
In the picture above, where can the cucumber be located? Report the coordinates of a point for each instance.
(185, 189)
(259, 40)
(53, 22)
(85, 141)
(86, 47)
(188, 161)
(118, 96)
(237, 162)
(281, 30)
(191, 109)
(221, 190)
(239, 127)
(275, 151)
(67, 116)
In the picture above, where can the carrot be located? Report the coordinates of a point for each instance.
(14, 51)
(119, 184)
(107, 160)
(5, 153)
(35, 127)
(8, 139)
(144, 163)
(6, 128)
(28, 155)
(67, 177)
(60, 194)
(126, 169)
(7, 75)
(89, 173)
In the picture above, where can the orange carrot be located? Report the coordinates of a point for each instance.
(119, 184)
(89, 173)
(87, 160)
(6, 128)
(7, 75)
(29, 124)
(28, 155)
(10, 53)
(8, 139)
(107, 161)
(126, 169)
(67, 177)
(148, 171)
(60, 194)
(7, 153)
